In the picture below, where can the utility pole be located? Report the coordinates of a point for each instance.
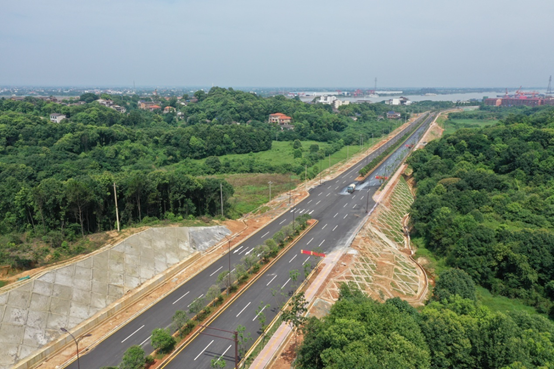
(221, 194)
(290, 189)
(116, 208)
(270, 183)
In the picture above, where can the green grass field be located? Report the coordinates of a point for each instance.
(501, 303)
(452, 125)
(282, 153)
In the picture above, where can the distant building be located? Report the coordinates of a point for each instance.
(119, 109)
(338, 103)
(148, 105)
(169, 109)
(400, 101)
(282, 120)
(327, 100)
(393, 115)
(516, 101)
(57, 118)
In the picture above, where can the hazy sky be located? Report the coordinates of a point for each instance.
(405, 43)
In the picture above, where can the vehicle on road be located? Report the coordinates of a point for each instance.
(351, 188)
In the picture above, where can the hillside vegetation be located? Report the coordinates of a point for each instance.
(485, 203)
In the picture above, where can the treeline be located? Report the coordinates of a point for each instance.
(485, 202)
(455, 332)
(64, 210)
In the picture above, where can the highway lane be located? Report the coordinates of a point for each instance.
(329, 203)
(338, 219)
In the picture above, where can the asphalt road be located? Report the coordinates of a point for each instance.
(338, 213)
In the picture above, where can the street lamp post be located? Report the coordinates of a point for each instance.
(76, 343)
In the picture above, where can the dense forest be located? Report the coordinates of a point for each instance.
(57, 179)
(454, 332)
(485, 203)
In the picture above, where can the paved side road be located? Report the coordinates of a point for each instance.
(338, 213)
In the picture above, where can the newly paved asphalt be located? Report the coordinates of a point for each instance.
(338, 213)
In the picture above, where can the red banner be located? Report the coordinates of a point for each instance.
(313, 253)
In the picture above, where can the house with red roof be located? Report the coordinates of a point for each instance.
(282, 120)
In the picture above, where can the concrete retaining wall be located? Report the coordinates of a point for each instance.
(80, 295)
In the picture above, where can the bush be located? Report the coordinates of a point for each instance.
(133, 358)
(454, 282)
(162, 340)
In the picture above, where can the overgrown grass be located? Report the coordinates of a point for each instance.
(494, 303)
(452, 125)
(501, 303)
(252, 189)
(282, 152)
(436, 264)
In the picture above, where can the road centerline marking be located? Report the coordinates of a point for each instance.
(237, 250)
(265, 234)
(309, 201)
(336, 215)
(283, 286)
(221, 267)
(259, 313)
(308, 258)
(246, 248)
(195, 300)
(324, 226)
(271, 280)
(223, 354)
(310, 241)
(318, 202)
(294, 257)
(283, 221)
(205, 348)
(328, 194)
(335, 228)
(143, 342)
(129, 336)
(321, 243)
(345, 216)
(244, 308)
(176, 301)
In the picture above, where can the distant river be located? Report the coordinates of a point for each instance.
(447, 97)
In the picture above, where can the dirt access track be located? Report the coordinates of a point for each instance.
(241, 229)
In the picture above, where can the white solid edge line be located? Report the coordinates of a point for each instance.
(205, 348)
(244, 308)
(129, 336)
